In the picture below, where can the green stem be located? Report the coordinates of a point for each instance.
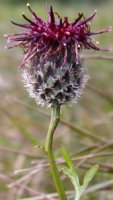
(77, 197)
(55, 117)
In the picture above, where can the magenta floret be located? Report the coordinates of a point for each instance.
(54, 37)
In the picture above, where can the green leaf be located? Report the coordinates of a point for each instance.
(71, 172)
(72, 175)
(67, 158)
(89, 175)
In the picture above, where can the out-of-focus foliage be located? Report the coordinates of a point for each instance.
(60, 1)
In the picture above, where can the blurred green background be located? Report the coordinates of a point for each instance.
(87, 126)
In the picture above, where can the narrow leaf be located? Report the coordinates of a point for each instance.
(72, 175)
(89, 175)
(67, 158)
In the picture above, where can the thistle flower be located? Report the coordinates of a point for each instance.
(52, 69)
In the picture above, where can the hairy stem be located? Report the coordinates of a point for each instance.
(55, 117)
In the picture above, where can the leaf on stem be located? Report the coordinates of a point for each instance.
(71, 172)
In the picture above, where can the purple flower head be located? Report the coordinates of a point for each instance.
(54, 36)
(52, 69)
